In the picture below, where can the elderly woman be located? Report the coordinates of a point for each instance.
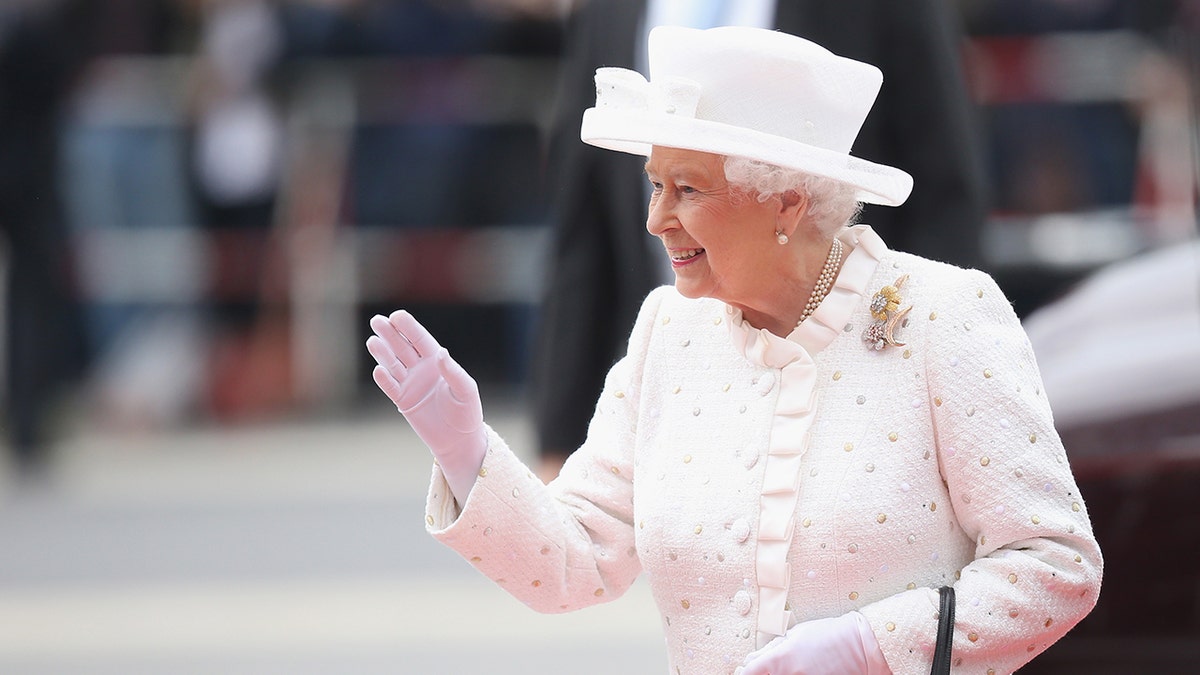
(809, 434)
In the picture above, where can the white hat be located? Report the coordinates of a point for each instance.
(746, 92)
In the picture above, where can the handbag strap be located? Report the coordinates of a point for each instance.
(945, 632)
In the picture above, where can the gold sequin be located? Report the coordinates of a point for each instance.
(911, 586)
(979, 292)
(619, 394)
(848, 447)
(991, 671)
(717, 321)
(1048, 622)
(516, 493)
(545, 550)
(482, 472)
(973, 636)
(429, 519)
(699, 529)
(893, 436)
(666, 320)
(984, 461)
(1012, 578)
(890, 626)
(1012, 613)
(907, 353)
(687, 459)
(536, 583)
(599, 592)
(853, 595)
(937, 401)
(1033, 438)
(881, 518)
(933, 506)
(1036, 520)
(1075, 507)
(837, 376)
(726, 387)
(616, 471)
(987, 372)
(476, 559)
(677, 389)
(933, 316)
(685, 604)
(1078, 558)
(806, 522)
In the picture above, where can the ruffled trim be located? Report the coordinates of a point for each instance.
(793, 418)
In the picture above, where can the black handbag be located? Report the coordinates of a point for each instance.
(945, 632)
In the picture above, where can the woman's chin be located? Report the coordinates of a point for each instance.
(689, 289)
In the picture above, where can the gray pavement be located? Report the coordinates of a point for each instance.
(288, 548)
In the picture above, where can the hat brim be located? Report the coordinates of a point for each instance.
(636, 132)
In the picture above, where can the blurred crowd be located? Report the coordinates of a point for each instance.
(201, 200)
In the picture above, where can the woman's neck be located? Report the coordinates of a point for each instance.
(782, 304)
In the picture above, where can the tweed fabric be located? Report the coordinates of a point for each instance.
(926, 464)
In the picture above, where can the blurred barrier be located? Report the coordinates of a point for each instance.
(316, 265)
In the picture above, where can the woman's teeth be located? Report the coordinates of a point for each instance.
(686, 255)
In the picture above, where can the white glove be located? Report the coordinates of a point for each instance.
(842, 645)
(437, 397)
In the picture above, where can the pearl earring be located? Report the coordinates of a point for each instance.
(781, 238)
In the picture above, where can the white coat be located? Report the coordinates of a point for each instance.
(759, 481)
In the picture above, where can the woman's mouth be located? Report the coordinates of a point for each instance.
(684, 256)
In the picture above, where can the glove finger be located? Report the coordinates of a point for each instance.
(387, 384)
(396, 342)
(463, 393)
(420, 339)
(382, 352)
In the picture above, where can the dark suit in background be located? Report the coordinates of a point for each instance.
(602, 264)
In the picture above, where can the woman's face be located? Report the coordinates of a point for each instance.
(719, 239)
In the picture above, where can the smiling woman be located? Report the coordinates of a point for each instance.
(809, 434)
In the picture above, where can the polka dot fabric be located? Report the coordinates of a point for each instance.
(755, 494)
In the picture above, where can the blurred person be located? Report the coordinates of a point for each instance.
(237, 155)
(809, 432)
(601, 265)
(43, 48)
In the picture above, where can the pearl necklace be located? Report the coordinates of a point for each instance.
(825, 281)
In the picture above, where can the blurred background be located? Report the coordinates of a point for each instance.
(203, 201)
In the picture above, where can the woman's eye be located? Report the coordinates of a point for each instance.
(686, 189)
(657, 186)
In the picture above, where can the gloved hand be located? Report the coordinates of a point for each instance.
(842, 645)
(437, 397)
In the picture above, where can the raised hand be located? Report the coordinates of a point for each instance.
(437, 397)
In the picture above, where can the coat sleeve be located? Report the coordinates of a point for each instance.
(1037, 567)
(569, 544)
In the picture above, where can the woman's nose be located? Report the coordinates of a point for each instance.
(659, 218)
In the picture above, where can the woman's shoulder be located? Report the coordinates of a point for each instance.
(934, 278)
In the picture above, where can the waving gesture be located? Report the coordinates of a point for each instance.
(437, 397)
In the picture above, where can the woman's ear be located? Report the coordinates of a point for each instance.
(793, 207)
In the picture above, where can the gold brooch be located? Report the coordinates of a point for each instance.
(885, 309)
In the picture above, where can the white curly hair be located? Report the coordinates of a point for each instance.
(832, 204)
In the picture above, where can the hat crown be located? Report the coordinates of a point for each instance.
(769, 82)
(746, 92)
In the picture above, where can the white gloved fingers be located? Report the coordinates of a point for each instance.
(382, 352)
(387, 384)
(420, 340)
(466, 409)
(412, 385)
(752, 656)
(397, 343)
